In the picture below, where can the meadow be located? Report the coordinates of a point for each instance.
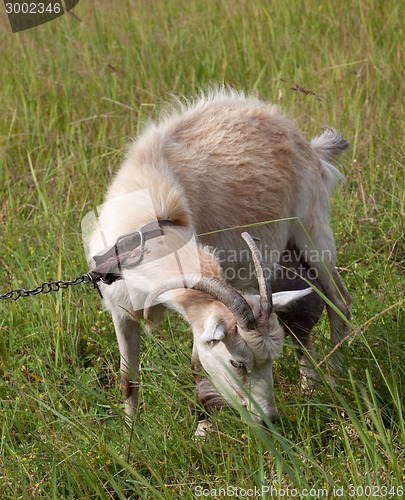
(73, 92)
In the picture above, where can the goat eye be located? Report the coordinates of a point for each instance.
(237, 364)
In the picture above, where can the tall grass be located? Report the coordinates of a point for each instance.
(72, 92)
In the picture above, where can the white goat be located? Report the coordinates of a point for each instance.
(224, 161)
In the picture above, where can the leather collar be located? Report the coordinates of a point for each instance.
(108, 266)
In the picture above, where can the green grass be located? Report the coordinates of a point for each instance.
(72, 93)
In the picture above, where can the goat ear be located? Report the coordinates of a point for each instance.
(213, 331)
(283, 300)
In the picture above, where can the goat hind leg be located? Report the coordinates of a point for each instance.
(339, 319)
(321, 258)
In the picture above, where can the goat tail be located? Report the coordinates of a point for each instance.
(329, 145)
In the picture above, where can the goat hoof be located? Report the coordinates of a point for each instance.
(204, 428)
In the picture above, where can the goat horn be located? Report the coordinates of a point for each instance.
(218, 290)
(263, 281)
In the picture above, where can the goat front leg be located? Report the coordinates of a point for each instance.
(304, 351)
(127, 330)
(211, 401)
(208, 397)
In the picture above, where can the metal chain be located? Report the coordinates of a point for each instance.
(48, 286)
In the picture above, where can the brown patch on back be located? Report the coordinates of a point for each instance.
(233, 155)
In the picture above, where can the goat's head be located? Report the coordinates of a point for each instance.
(236, 337)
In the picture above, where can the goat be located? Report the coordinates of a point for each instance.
(225, 161)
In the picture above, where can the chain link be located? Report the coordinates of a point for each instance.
(47, 287)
